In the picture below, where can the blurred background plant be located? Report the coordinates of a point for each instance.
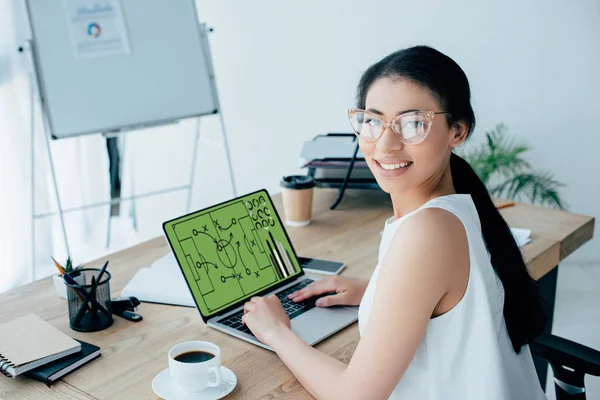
(499, 163)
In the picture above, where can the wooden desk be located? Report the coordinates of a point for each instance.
(133, 353)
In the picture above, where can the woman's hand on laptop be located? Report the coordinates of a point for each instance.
(265, 317)
(349, 291)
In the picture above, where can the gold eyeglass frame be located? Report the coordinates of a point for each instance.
(429, 114)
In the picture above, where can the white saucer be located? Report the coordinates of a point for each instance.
(163, 386)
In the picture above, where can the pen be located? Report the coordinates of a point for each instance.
(84, 305)
(82, 309)
(102, 272)
(93, 295)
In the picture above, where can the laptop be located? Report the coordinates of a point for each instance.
(238, 249)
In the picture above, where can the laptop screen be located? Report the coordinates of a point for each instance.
(231, 251)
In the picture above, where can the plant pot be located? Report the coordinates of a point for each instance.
(59, 286)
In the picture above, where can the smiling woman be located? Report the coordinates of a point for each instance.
(450, 308)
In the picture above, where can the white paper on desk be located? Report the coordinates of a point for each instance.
(162, 282)
(522, 236)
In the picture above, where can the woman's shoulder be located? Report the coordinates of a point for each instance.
(461, 205)
(433, 244)
(433, 222)
(450, 202)
(431, 231)
(456, 200)
(445, 218)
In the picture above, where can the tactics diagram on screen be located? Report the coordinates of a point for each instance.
(231, 251)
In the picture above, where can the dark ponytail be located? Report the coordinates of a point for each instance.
(445, 79)
(523, 314)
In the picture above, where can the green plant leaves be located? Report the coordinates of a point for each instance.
(539, 187)
(500, 165)
(69, 265)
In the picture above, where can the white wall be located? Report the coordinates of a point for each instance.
(288, 70)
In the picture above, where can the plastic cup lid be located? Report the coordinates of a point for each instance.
(298, 182)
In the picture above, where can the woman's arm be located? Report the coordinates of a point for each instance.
(427, 249)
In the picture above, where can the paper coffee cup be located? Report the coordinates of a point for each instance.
(297, 192)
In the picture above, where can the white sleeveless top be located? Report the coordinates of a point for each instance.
(466, 353)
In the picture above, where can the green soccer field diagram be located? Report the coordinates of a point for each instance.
(231, 251)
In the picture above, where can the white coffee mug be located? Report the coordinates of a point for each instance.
(195, 376)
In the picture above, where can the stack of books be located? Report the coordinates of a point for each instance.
(32, 347)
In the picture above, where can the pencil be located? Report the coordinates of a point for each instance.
(58, 266)
(72, 281)
(506, 205)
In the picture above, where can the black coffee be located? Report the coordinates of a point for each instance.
(194, 356)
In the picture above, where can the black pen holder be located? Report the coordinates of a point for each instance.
(89, 305)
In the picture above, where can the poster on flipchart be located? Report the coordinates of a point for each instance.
(97, 27)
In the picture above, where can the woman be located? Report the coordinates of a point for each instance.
(450, 308)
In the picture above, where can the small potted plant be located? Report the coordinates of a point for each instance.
(59, 282)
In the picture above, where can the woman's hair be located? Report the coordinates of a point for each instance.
(445, 79)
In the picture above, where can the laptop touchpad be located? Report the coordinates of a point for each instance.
(319, 323)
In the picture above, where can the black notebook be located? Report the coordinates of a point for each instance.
(55, 370)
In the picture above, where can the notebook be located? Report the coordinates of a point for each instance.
(55, 370)
(29, 342)
(162, 282)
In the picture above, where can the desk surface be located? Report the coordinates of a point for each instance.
(133, 353)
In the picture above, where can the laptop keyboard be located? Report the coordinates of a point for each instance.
(292, 309)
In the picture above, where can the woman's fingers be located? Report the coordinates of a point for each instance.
(314, 289)
(333, 300)
(310, 290)
(249, 306)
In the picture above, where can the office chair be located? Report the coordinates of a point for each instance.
(570, 362)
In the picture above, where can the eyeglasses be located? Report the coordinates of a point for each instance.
(410, 127)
